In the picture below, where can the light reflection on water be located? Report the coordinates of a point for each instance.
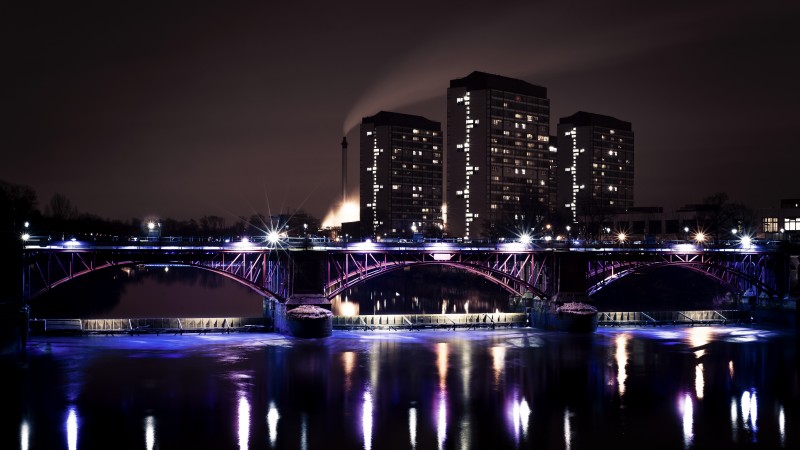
(72, 429)
(687, 413)
(244, 422)
(149, 432)
(422, 389)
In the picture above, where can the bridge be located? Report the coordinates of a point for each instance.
(279, 268)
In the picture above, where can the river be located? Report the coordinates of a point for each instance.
(716, 387)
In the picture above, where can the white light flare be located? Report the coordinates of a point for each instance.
(366, 420)
(687, 414)
(72, 429)
(149, 432)
(244, 422)
(441, 419)
(622, 362)
(699, 381)
(25, 435)
(272, 423)
(412, 426)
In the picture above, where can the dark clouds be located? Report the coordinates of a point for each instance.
(187, 109)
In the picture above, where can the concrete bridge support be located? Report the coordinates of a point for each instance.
(571, 284)
(307, 271)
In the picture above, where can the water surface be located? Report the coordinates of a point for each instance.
(654, 388)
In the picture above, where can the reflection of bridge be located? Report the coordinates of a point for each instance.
(279, 270)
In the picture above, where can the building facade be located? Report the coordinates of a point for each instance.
(782, 223)
(595, 160)
(401, 177)
(499, 165)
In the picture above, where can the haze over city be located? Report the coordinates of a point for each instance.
(188, 109)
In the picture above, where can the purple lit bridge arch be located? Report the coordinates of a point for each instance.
(520, 269)
(741, 270)
(264, 271)
(517, 271)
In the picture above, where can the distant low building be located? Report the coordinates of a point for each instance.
(783, 222)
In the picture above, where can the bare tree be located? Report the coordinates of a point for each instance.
(60, 208)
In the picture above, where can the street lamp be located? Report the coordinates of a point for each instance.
(622, 237)
(700, 237)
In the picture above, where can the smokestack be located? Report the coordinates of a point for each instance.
(344, 170)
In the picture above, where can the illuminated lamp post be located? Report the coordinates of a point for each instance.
(153, 229)
(25, 233)
(700, 237)
(273, 237)
(622, 237)
(746, 241)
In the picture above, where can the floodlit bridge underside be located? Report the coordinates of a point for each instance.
(517, 273)
(740, 272)
(255, 270)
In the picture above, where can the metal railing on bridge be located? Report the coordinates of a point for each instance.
(655, 318)
(149, 326)
(430, 321)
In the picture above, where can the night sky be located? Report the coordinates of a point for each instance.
(185, 109)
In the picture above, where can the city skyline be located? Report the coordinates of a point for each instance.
(184, 110)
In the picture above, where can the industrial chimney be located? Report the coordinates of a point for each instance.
(344, 170)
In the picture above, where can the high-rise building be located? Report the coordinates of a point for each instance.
(498, 156)
(595, 160)
(401, 178)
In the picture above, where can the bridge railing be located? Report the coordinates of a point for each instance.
(174, 325)
(430, 321)
(705, 317)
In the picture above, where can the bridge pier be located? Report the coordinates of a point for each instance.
(570, 308)
(571, 285)
(307, 289)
